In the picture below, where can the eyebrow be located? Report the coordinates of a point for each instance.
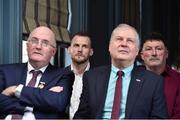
(40, 39)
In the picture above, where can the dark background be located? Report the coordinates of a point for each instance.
(99, 17)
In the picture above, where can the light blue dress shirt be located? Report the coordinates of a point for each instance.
(111, 91)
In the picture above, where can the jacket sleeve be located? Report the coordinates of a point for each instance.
(159, 108)
(8, 104)
(45, 100)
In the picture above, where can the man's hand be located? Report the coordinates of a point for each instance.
(56, 89)
(9, 91)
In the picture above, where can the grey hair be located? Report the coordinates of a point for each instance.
(123, 25)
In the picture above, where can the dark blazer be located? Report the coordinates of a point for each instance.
(145, 95)
(66, 114)
(46, 104)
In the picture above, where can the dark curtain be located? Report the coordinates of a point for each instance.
(130, 13)
(124, 11)
(103, 17)
(162, 16)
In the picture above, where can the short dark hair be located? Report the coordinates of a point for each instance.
(154, 36)
(84, 34)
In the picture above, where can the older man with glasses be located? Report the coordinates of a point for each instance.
(36, 89)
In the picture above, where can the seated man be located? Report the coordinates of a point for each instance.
(80, 51)
(36, 89)
(122, 90)
(154, 53)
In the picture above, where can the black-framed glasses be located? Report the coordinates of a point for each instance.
(44, 43)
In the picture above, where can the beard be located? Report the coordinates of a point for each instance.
(79, 60)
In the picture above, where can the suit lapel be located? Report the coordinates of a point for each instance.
(21, 73)
(68, 68)
(101, 88)
(47, 76)
(134, 89)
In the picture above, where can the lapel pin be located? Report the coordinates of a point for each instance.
(138, 80)
(41, 85)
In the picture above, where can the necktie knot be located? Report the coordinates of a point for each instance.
(35, 73)
(120, 73)
(34, 77)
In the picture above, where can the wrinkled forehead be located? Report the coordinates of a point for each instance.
(125, 31)
(43, 33)
(153, 43)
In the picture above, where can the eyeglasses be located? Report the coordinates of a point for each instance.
(44, 43)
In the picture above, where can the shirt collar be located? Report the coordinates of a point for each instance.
(86, 69)
(30, 67)
(166, 71)
(126, 70)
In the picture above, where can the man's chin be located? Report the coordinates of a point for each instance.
(37, 59)
(80, 61)
(36, 56)
(155, 65)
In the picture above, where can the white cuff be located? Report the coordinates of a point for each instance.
(28, 109)
(28, 116)
(18, 90)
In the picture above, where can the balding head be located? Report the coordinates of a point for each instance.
(41, 46)
(45, 31)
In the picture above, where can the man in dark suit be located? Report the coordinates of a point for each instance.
(141, 90)
(154, 54)
(25, 95)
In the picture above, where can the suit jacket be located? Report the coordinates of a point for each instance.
(45, 103)
(66, 115)
(145, 95)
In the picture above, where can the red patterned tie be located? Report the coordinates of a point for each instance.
(117, 97)
(32, 82)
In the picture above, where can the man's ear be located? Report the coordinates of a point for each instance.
(167, 53)
(54, 51)
(141, 54)
(91, 52)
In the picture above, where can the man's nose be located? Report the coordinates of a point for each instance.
(39, 45)
(154, 52)
(80, 48)
(124, 43)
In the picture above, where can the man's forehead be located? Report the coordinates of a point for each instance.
(124, 32)
(80, 40)
(77, 37)
(153, 42)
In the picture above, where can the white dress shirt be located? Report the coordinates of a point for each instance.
(76, 92)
